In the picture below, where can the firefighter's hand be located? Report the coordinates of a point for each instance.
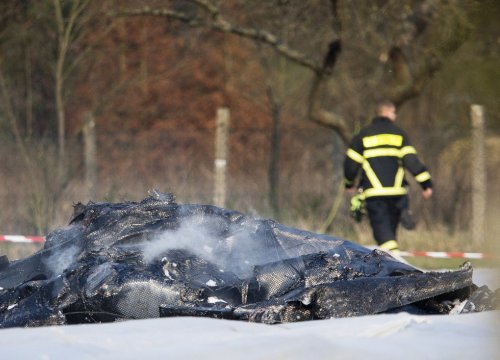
(427, 193)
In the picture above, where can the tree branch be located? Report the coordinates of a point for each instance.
(207, 6)
(323, 117)
(221, 25)
(315, 112)
(407, 85)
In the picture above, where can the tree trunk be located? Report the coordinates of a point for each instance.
(222, 127)
(478, 175)
(90, 155)
(273, 172)
(61, 121)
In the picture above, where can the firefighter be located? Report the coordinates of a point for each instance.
(381, 152)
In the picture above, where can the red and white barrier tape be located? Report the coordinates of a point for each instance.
(22, 238)
(432, 254)
(448, 255)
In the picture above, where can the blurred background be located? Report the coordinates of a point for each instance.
(105, 100)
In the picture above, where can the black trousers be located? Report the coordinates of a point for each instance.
(384, 213)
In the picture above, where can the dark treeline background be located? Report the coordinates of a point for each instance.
(149, 83)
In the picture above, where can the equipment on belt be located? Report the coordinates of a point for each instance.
(407, 219)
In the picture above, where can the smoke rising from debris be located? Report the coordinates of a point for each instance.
(60, 260)
(232, 247)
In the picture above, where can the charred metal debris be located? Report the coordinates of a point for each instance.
(157, 258)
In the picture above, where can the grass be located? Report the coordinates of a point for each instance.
(429, 263)
(16, 251)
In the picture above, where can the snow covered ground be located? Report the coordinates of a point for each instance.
(395, 336)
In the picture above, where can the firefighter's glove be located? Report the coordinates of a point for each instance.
(357, 207)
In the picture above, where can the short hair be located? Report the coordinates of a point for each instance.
(385, 104)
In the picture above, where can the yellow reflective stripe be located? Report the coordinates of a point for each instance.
(381, 152)
(400, 175)
(355, 156)
(424, 176)
(383, 139)
(389, 152)
(370, 174)
(390, 245)
(408, 150)
(387, 191)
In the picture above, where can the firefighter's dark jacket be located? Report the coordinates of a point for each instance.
(382, 151)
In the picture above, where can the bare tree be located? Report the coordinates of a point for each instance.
(382, 49)
(66, 32)
(430, 31)
(45, 170)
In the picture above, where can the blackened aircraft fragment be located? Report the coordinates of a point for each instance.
(156, 258)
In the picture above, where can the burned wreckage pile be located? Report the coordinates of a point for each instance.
(156, 258)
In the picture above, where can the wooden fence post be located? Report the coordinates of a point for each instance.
(478, 170)
(222, 129)
(90, 153)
